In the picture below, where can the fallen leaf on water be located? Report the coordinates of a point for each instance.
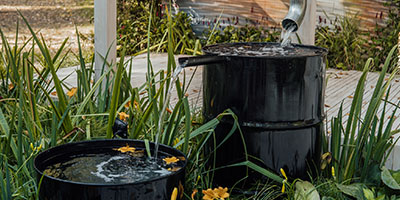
(182, 158)
(326, 105)
(170, 160)
(174, 169)
(125, 149)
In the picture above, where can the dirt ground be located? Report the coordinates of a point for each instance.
(54, 19)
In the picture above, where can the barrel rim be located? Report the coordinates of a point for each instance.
(320, 50)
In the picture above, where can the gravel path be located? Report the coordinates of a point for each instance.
(54, 19)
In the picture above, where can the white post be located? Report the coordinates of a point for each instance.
(105, 34)
(306, 30)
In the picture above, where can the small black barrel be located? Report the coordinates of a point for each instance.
(278, 96)
(59, 189)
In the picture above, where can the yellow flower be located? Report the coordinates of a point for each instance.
(123, 116)
(127, 104)
(40, 147)
(216, 193)
(284, 174)
(171, 160)
(284, 181)
(10, 86)
(174, 194)
(194, 193)
(126, 149)
(72, 92)
(333, 173)
(33, 148)
(176, 141)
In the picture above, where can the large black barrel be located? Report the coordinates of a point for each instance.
(279, 101)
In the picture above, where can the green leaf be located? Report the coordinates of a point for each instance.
(353, 190)
(305, 191)
(115, 94)
(389, 180)
(368, 194)
(259, 169)
(4, 125)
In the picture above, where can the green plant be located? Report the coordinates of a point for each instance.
(360, 147)
(344, 42)
(385, 35)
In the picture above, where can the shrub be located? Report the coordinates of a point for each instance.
(385, 35)
(133, 25)
(344, 41)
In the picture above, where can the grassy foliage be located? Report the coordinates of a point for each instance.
(349, 46)
(344, 42)
(133, 18)
(385, 35)
(365, 145)
(246, 33)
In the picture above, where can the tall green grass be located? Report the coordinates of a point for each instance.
(361, 146)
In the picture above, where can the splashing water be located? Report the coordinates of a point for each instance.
(114, 168)
(177, 71)
(285, 36)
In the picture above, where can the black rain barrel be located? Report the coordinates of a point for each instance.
(59, 189)
(279, 101)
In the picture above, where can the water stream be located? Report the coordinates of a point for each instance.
(174, 76)
(285, 36)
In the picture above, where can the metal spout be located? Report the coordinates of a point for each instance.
(295, 15)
